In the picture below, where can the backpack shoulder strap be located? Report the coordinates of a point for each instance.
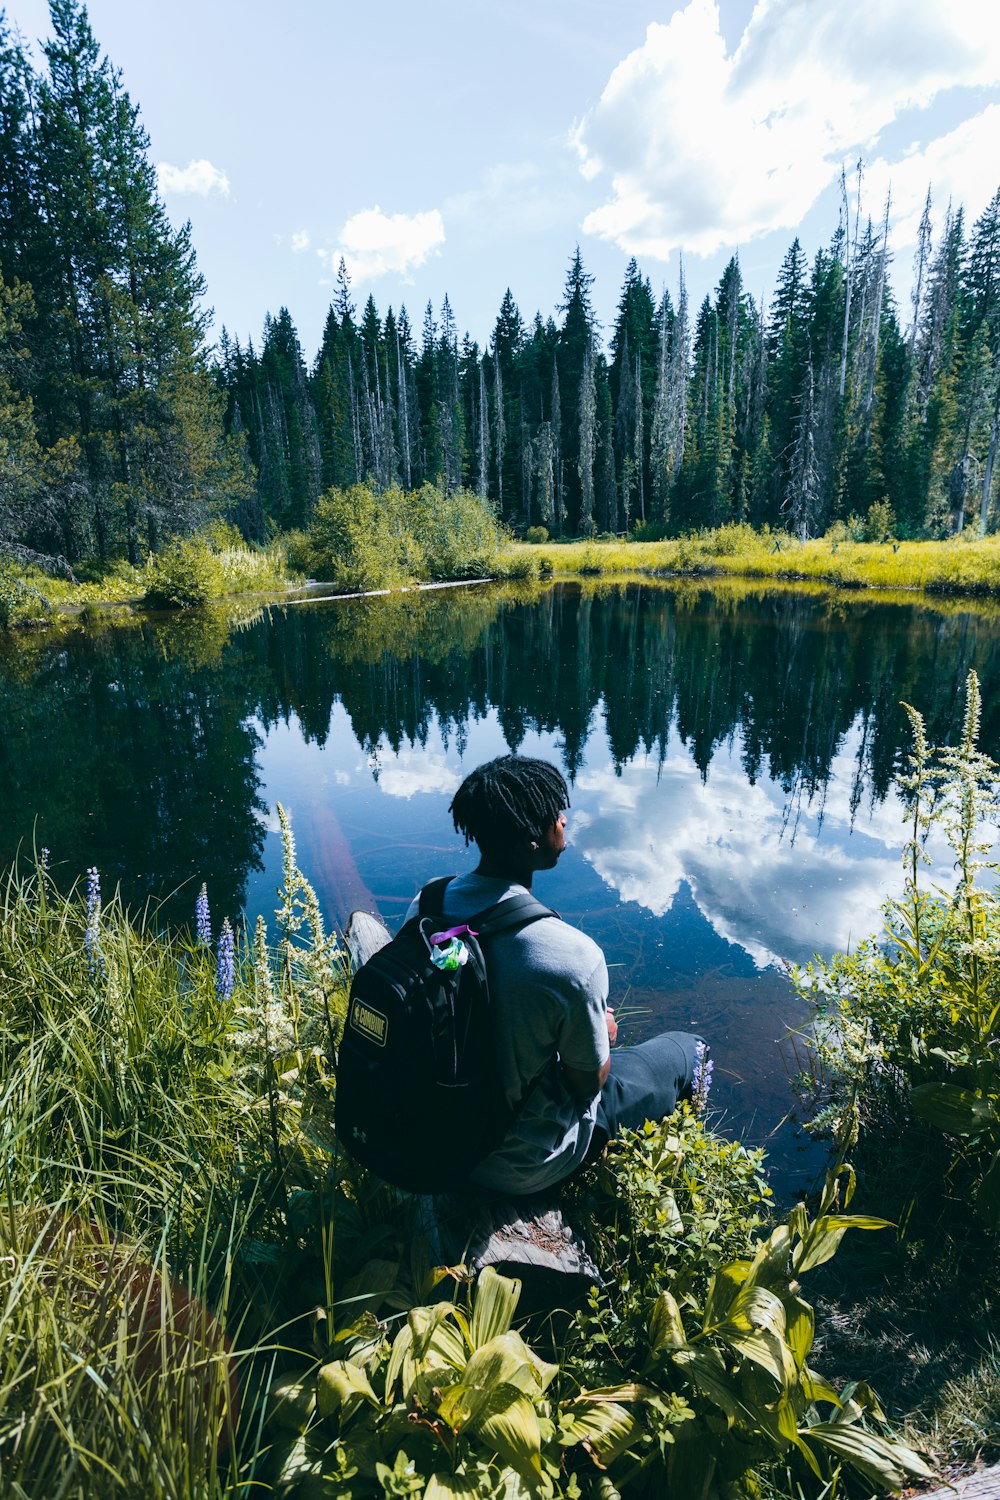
(515, 911)
(432, 896)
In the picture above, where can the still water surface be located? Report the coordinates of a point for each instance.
(730, 753)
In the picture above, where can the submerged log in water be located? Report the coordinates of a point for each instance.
(364, 935)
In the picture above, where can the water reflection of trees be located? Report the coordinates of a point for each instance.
(135, 748)
(131, 749)
(789, 673)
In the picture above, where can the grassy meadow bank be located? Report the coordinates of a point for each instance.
(961, 565)
(213, 564)
(360, 540)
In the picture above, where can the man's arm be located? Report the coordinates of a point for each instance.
(590, 1030)
(585, 1084)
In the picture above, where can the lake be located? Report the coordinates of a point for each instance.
(730, 750)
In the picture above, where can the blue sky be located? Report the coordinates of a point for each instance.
(460, 146)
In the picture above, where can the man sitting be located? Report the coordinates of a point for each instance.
(549, 991)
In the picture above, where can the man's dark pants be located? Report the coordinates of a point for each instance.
(645, 1083)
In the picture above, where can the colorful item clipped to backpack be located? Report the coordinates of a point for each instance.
(447, 949)
(418, 1100)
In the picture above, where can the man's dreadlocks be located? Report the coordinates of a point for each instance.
(507, 798)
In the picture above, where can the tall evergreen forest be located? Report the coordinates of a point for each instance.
(120, 427)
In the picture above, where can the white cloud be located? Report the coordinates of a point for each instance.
(758, 886)
(199, 177)
(300, 240)
(373, 243)
(413, 769)
(704, 148)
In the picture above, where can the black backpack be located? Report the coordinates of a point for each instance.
(418, 1100)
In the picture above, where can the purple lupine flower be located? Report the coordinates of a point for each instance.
(92, 931)
(702, 1081)
(202, 918)
(225, 968)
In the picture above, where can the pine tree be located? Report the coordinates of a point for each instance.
(802, 493)
(289, 444)
(426, 375)
(482, 435)
(933, 415)
(20, 455)
(118, 337)
(660, 456)
(575, 339)
(331, 389)
(507, 347)
(920, 263)
(555, 417)
(451, 426)
(634, 377)
(980, 396)
(607, 492)
(788, 356)
(587, 443)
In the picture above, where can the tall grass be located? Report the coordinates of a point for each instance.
(214, 563)
(954, 566)
(150, 1117)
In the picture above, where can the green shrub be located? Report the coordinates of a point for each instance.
(361, 539)
(298, 551)
(183, 574)
(877, 525)
(689, 1370)
(646, 531)
(21, 603)
(702, 1305)
(917, 1008)
(735, 540)
(536, 535)
(356, 542)
(459, 533)
(213, 563)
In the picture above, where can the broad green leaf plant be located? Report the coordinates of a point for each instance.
(679, 1382)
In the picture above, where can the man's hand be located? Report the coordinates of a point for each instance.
(612, 1025)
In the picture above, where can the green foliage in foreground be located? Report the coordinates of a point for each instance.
(198, 1299)
(687, 1371)
(361, 540)
(961, 565)
(918, 1009)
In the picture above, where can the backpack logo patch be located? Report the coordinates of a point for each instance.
(371, 1024)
